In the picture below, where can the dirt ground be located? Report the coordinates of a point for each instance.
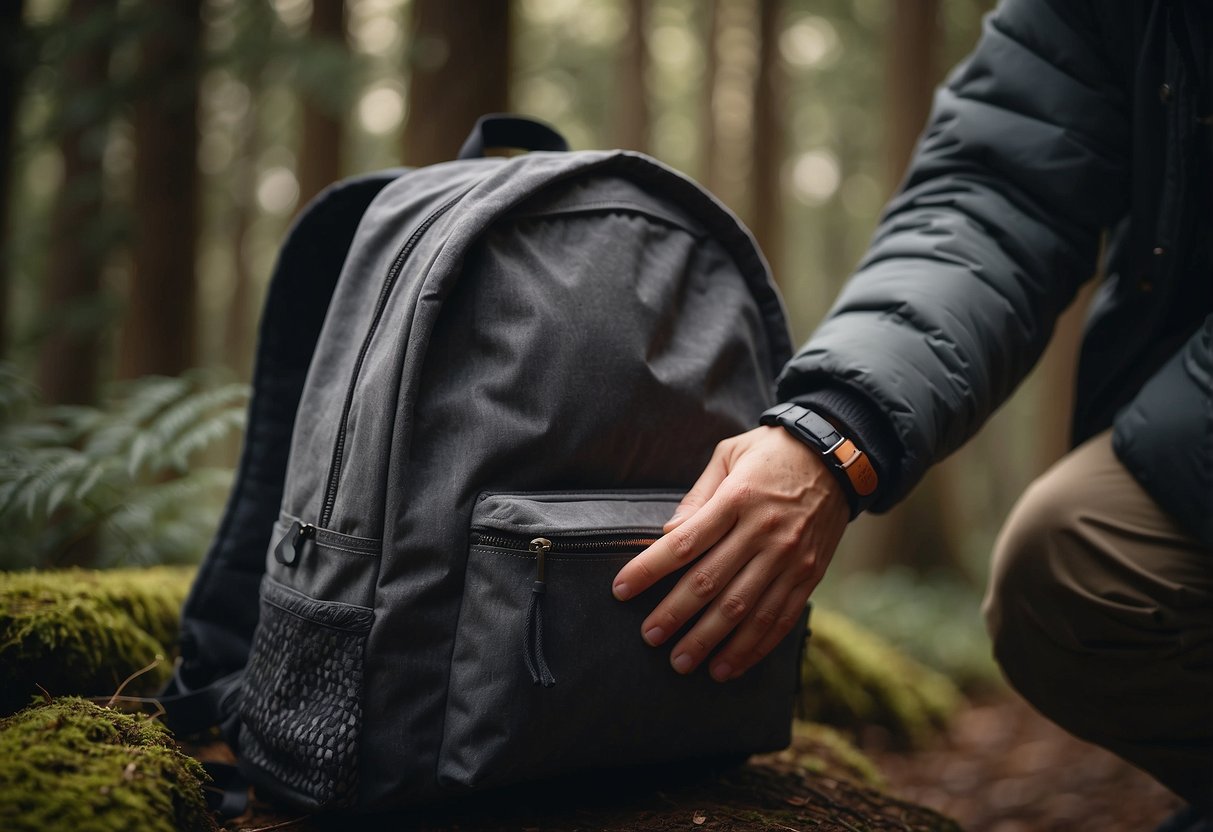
(1004, 768)
(1000, 768)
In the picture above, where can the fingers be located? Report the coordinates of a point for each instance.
(674, 550)
(702, 491)
(777, 614)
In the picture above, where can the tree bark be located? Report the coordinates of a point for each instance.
(768, 146)
(911, 75)
(632, 119)
(460, 69)
(922, 530)
(68, 358)
(160, 331)
(709, 162)
(12, 74)
(320, 154)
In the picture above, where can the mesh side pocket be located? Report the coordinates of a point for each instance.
(301, 703)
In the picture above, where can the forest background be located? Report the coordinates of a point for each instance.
(153, 153)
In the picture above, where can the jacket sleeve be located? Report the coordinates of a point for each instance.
(1165, 435)
(1023, 164)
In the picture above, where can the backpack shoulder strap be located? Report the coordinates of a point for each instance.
(221, 611)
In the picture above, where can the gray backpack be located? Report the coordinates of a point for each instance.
(481, 387)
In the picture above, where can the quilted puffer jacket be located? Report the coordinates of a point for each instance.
(1072, 118)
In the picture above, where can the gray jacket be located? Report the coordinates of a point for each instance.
(1070, 119)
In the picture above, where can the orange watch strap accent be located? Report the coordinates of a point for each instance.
(857, 466)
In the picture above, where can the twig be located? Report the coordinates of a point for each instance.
(155, 663)
(282, 825)
(45, 693)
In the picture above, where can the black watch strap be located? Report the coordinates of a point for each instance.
(846, 462)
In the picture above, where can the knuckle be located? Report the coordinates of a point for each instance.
(784, 623)
(742, 490)
(703, 583)
(682, 544)
(696, 645)
(770, 521)
(766, 617)
(668, 620)
(733, 608)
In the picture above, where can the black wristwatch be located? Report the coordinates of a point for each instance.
(845, 461)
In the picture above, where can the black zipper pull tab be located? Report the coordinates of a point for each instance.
(532, 636)
(288, 549)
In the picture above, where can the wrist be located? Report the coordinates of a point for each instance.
(845, 460)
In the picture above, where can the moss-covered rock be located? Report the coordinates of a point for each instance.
(851, 678)
(73, 765)
(84, 632)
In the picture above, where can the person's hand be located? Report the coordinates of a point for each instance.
(762, 523)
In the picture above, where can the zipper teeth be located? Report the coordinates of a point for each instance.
(522, 544)
(330, 493)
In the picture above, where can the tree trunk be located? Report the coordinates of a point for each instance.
(320, 155)
(922, 530)
(159, 335)
(12, 73)
(631, 93)
(709, 152)
(460, 69)
(68, 359)
(768, 144)
(911, 74)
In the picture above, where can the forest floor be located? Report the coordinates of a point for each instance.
(999, 768)
(1004, 768)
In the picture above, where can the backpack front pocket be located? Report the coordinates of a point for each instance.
(549, 672)
(301, 702)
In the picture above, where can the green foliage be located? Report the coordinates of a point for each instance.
(853, 679)
(934, 618)
(70, 764)
(84, 632)
(113, 485)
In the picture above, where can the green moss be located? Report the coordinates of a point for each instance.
(84, 632)
(73, 765)
(851, 678)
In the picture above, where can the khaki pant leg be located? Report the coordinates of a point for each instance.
(1101, 613)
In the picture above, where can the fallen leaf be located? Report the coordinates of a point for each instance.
(796, 801)
(699, 819)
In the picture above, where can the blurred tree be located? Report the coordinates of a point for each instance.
(911, 74)
(709, 161)
(459, 65)
(320, 153)
(249, 56)
(12, 69)
(922, 530)
(69, 355)
(769, 145)
(632, 119)
(160, 329)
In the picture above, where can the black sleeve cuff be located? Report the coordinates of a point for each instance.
(865, 425)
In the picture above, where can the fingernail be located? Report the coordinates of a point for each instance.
(621, 591)
(722, 671)
(682, 663)
(654, 636)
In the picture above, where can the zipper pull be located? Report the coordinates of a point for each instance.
(540, 546)
(288, 549)
(532, 636)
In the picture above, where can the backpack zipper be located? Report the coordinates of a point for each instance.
(533, 654)
(330, 493)
(604, 544)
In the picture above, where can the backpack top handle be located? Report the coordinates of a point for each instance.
(504, 130)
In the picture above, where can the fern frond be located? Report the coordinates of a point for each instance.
(16, 393)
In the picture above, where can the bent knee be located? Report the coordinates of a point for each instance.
(1029, 560)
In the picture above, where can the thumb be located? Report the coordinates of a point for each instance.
(700, 492)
